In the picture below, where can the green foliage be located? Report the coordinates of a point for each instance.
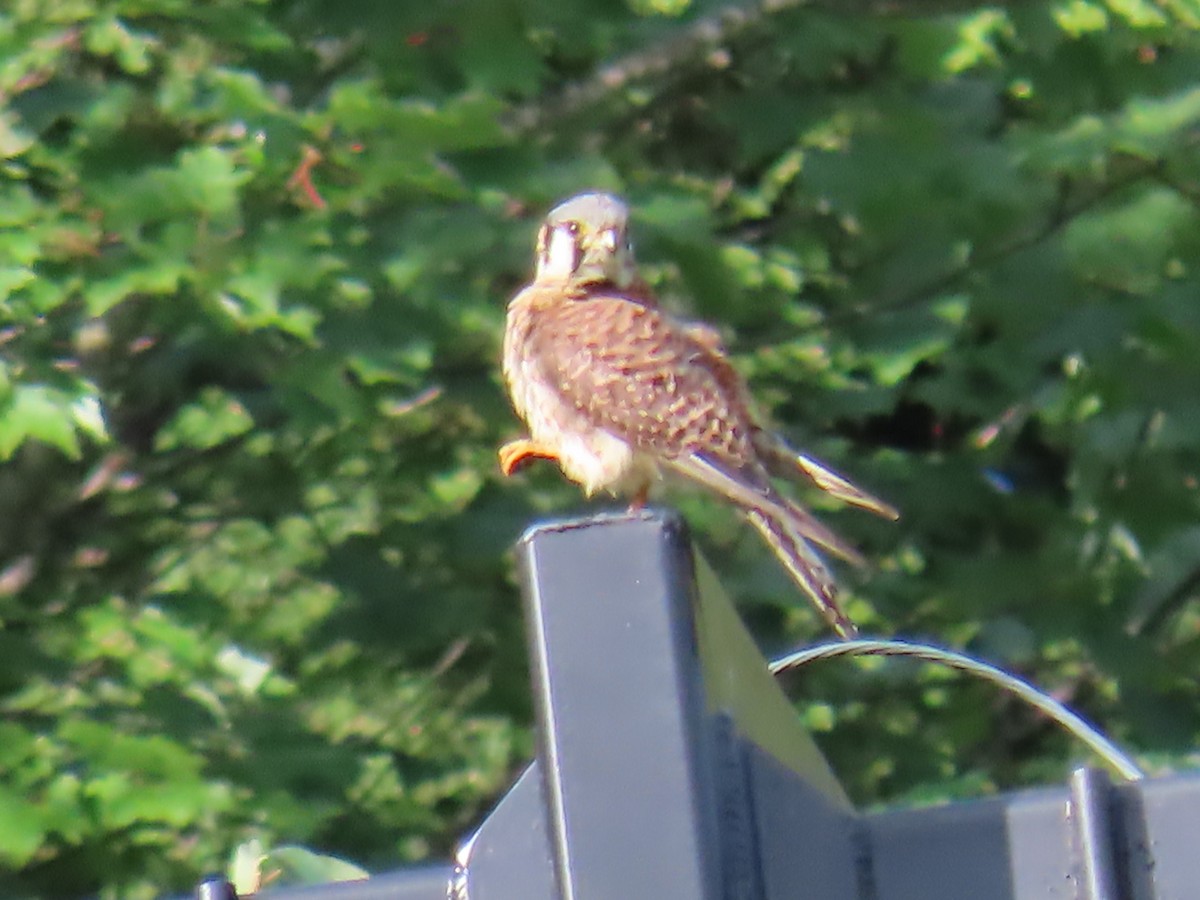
(252, 868)
(254, 580)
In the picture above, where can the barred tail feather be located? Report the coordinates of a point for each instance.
(790, 530)
(810, 529)
(803, 564)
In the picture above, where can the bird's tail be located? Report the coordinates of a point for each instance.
(803, 564)
(789, 529)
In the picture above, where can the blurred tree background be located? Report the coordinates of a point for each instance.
(255, 580)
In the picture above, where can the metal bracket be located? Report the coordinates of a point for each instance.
(670, 765)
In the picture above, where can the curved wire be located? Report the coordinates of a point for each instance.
(1116, 758)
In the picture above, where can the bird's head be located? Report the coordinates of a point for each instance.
(585, 241)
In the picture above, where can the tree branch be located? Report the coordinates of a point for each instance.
(701, 45)
(1067, 210)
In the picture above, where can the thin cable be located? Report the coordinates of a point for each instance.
(1116, 758)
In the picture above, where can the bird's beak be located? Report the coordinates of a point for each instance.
(601, 257)
(609, 240)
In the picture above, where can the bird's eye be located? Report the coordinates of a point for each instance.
(572, 228)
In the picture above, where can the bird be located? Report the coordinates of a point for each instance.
(621, 393)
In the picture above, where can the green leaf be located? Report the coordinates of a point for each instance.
(299, 865)
(1127, 245)
(669, 8)
(21, 829)
(110, 37)
(213, 419)
(208, 180)
(14, 140)
(1079, 17)
(979, 38)
(38, 412)
(1150, 127)
(108, 749)
(12, 279)
(1138, 13)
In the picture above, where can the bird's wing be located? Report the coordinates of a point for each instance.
(785, 461)
(637, 373)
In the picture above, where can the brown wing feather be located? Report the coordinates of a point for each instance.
(639, 374)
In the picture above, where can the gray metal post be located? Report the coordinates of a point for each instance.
(658, 725)
(629, 797)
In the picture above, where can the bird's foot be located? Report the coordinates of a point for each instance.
(638, 502)
(515, 454)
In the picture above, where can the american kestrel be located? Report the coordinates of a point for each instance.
(619, 393)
